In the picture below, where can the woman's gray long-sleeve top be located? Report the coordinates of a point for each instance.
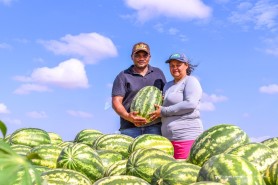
(180, 110)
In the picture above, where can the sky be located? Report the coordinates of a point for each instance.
(59, 59)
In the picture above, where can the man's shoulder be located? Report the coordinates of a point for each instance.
(155, 69)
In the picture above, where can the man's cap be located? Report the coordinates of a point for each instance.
(178, 56)
(141, 46)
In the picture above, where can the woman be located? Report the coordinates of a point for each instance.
(180, 115)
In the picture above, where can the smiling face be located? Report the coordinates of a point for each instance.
(178, 69)
(141, 59)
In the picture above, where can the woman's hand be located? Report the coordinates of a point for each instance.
(155, 114)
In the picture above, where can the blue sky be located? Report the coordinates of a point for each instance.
(59, 59)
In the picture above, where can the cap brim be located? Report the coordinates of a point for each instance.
(141, 50)
(169, 60)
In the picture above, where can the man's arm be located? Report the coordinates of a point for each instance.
(117, 104)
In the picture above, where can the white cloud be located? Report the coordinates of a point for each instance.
(80, 114)
(272, 46)
(173, 31)
(214, 98)
(5, 46)
(4, 109)
(208, 101)
(11, 121)
(185, 10)
(6, 2)
(28, 88)
(159, 27)
(262, 14)
(37, 114)
(109, 85)
(272, 51)
(207, 106)
(183, 38)
(108, 103)
(91, 47)
(68, 74)
(269, 89)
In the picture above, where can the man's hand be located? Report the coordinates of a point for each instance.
(136, 120)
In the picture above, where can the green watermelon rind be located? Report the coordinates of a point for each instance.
(144, 101)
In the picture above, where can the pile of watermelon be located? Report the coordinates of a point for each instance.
(223, 154)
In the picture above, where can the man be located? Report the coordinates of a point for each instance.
(128, 83)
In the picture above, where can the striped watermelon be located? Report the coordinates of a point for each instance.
(64, 177)
(271, 174)
(65, 144)
(87, 136)
(41, 169)
(22, 173)
(21, 149)
(144, 101)
(109, 157)
(260, 155)
(121, 180)
(7, 138)
(118, 168)
(216, 140)
(230, 170)
(55, 138)
(82, 158)
(30, 137)
(31, 172)
(48, 154)
(272, 143)
(152, 141)
(176, 173)
(144, 161)
(116, 142)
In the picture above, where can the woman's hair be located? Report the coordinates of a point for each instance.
(190, 68)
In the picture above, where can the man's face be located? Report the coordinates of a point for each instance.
(141, 59)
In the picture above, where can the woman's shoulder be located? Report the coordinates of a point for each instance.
(192, 78)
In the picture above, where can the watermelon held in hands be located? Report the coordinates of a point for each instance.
(144, 101)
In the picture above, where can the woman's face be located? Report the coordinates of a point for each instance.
(178, 69)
